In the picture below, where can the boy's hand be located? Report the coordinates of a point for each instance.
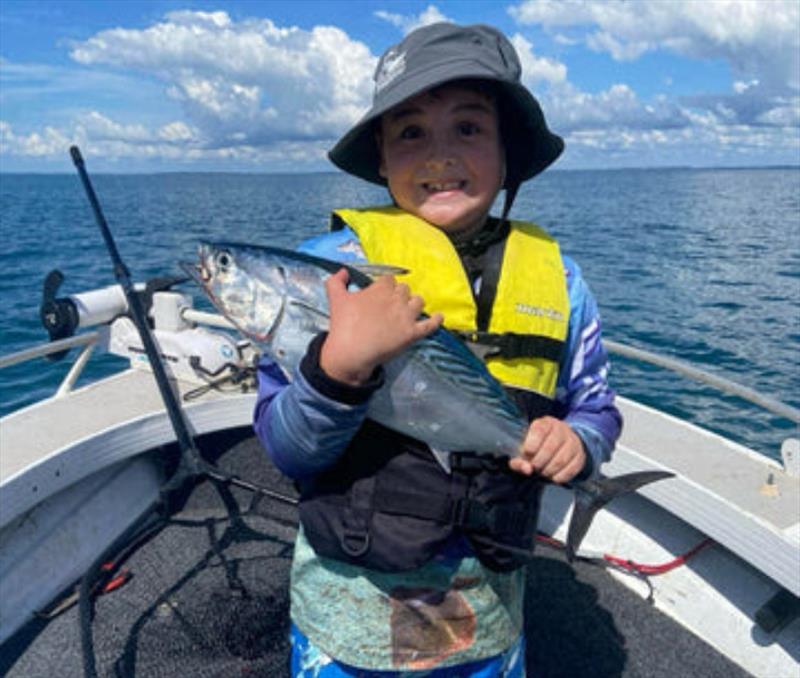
(370, 326)
(552, 450)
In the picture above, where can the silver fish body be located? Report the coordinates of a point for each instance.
(436, 391)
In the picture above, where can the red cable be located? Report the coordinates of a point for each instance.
(658, 569)
(633, 566)
(115, 582)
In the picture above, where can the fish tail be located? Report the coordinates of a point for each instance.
(592, 495)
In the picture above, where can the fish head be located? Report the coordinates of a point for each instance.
(244, 285)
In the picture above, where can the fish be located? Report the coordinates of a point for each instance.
(437, 391)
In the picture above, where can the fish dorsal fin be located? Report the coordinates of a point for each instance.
(377, 270)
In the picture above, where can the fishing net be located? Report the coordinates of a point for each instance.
(203, 594)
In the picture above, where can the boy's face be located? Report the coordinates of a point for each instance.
(442, 156)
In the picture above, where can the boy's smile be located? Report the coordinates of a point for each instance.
(442, 156)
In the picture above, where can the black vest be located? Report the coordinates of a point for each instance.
(388, 505)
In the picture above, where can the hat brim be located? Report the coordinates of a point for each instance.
(535, 146)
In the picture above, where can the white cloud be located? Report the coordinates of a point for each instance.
(248, 82)
(751, 103)
(621, 50)
(49, 142)
(537, 69)
(741, 87)
(704, 142)
(99, 127)
(760, 41)
(117, 146)
(568, 109)
(561, 39)
(252, 94)
(785, 114)
(757, 39)
(177, 132)
(248, 91)
(408, 23)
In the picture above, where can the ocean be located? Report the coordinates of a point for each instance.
(702, 265)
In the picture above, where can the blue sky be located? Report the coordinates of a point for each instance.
(269, 86)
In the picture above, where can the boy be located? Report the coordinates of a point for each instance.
(403, 564)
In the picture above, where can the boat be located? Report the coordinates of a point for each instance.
(713, 553)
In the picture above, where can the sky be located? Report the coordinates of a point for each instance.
(269, 86)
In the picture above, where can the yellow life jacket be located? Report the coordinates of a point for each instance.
(528, 316)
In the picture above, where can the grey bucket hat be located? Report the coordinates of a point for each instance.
(440, 53)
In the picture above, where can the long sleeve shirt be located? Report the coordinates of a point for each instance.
(382, 620)
(305, 423)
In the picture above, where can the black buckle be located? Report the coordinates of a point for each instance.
(471, 462)
(466, 461)
(487, 345)
(478, 344)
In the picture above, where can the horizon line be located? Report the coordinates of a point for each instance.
(339, 172)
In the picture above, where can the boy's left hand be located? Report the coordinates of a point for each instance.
(552, 450)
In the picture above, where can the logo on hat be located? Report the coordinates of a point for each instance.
(392, 66)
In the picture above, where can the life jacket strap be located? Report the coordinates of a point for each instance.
(511, 345)
(465, 513)
(490, 277)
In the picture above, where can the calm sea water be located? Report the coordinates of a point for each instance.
(700, 265)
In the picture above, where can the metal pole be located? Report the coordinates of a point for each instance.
(190, 463)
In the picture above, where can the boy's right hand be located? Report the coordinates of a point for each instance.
(370, 326)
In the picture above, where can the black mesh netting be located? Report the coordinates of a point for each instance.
(208, 597)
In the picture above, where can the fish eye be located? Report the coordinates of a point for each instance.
(223, 260)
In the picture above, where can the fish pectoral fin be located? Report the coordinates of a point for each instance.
(592, 495)
(377, 270)
(308, 307)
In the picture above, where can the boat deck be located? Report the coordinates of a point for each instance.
(177, 615)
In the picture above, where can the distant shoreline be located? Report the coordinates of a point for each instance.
(666, 168)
